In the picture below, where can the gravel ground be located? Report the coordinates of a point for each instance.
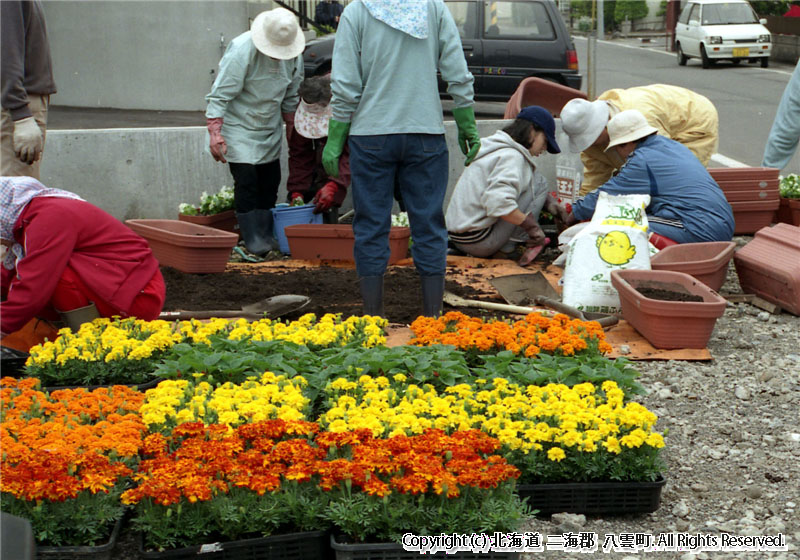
(733, 447)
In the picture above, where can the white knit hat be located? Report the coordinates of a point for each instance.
(583, 121)
(628, 126)
(276, 33)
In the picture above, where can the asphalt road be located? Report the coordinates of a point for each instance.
(746, 96)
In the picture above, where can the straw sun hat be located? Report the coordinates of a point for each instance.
(276, 33)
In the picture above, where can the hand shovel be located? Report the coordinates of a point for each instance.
(269, 308)
(526, 289)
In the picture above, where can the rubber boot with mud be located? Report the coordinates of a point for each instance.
(432, 293)
(255, 228)
(372, 295)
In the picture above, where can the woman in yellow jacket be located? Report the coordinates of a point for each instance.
(678, 113)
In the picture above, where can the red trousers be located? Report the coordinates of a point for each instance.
(71, 293)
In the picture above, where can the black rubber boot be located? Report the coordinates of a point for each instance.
(432, 293)
(255, 228)
(372, 294)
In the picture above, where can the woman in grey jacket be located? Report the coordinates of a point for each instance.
(498, 198)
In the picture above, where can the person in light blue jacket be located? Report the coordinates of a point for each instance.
(686, 204)
(386, 98)
(255, 92)
(785, 133)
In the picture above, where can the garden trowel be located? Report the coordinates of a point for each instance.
(535, 289)
(269, 308)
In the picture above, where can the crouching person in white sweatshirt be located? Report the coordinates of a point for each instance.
(498, 198)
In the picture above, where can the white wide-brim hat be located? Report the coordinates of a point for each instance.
(583, 121)
(628, 126)
(277, 33)
(311, 120)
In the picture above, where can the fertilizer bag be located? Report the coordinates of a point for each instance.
(616, 238)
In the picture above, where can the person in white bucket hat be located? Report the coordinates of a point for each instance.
(308, 180)
(677, 113)
(686, 204)
(254, 94)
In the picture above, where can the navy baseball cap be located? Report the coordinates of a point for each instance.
(544, 120)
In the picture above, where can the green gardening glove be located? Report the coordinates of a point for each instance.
(337, 135)
(468, 138)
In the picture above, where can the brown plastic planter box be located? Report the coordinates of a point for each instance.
(335, 242)
(185, 246)
(769, 266)
(668, 324)
(226, 221)
(752, 195)
(754, 215)
(707, 262)
(755, 174)
(757, 185)
(789, 211)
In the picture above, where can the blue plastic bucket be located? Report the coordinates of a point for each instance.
(289, 216)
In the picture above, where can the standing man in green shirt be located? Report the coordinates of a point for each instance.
(386, 98)
(255, 92)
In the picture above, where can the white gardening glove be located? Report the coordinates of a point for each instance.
(28, 141)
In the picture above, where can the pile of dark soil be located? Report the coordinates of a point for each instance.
(332, 290)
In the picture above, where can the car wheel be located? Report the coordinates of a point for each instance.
(736, 61)
(707, 62)
(682, 58)
(765, 62)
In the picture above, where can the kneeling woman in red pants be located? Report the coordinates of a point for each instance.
(66, 257)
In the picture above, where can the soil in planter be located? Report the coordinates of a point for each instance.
(667, 295)
(332, 290)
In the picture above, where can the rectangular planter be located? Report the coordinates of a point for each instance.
(226, 221)
(757, 185)
(99, 552)
(308, 545)
(707, 262)
(335, 242)
(789, 211)
(755, 174)
(754, 215)
(769, 266)
(594, 498)
(285, 216)
(394, 551)
(751, 195)
(185, 246)
(668, 324)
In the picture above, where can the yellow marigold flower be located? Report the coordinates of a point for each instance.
(556, 454)
(612, 445)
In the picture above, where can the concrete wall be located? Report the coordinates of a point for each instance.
(141, 54)
(148, 172)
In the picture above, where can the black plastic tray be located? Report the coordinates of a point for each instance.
(598, 498)
(12, 362)
(99, 552)
(309, 545)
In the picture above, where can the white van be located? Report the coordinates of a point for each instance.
(714, 30)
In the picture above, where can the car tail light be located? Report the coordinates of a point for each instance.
(572, 60)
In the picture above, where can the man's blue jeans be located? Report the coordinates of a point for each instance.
(420, 163)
